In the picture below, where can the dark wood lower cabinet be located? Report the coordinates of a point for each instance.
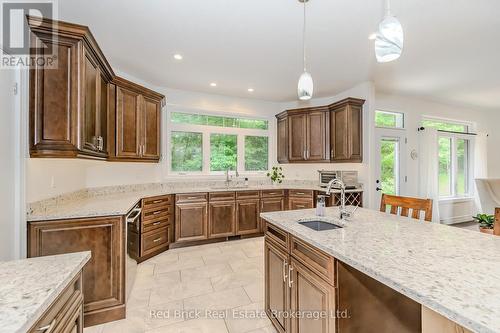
(270, 205)
(300, 203)
(191, 222)
(310, 293)
(247, 216)
(276, 286)
(104, 274)
(222, 219)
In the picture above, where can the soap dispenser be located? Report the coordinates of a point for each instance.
(320, 205)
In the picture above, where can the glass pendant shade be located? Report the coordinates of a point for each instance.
(389, 41)
(305, 86)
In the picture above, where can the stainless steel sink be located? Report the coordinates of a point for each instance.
(319, 225)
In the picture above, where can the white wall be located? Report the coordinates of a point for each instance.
(484, 121)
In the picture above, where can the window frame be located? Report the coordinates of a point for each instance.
(206, 130)
(403, 114)
(469, 170)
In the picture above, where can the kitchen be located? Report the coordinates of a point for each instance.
(190, 193)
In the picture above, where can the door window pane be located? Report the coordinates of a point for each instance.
(186, 151)
(462, 166)
(444, 166)
(223, 152)
(389, 165)
(256, 153)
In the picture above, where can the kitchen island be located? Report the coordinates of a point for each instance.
(426, 272)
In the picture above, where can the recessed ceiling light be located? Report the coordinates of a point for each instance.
(177, 56)
(372, 36)
(250, 89)
(213, 84)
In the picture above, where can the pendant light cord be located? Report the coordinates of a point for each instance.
(387, 8)
(304, 38)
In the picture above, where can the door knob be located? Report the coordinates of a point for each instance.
(378, 189)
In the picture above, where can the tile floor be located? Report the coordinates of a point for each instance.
(214, 277)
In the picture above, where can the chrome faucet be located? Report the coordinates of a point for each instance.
(344, 213)
(228, 179)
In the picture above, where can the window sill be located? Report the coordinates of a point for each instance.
(456, 199)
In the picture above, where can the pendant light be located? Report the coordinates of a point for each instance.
(389, 40)
(305, 85)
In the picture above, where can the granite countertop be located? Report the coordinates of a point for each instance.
(29, 286)
(116, 203)
(452, 271)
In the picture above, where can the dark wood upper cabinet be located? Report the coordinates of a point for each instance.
(303, 135)
(79, 108)
(346, 126)
(138, 122)
(332, 133)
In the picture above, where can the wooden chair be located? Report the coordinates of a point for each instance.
(407, 203)
(496, 227)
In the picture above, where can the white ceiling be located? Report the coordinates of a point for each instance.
(451, 54)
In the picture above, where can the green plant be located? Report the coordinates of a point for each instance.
(485, 221)
(276, 174)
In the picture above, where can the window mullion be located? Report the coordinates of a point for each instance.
(206, 152)
(241, 152)
(454, 168)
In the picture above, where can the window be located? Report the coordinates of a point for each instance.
(389, 119)
(454, 157)
(211, 144)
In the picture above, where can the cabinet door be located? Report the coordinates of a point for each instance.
(151, 129)
(103, 275)
(355, 136)
(317, 143)
(222, 219)
(103, 112)
(128, 118)
(300, 203)
(339, 134)
(270, 205)
(282, 138)
(89, 119)
(247, 216)
(276, 286)
(310, 293)
(75, 322)
(191, 222)
(297, 137)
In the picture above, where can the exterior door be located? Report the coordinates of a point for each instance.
(390, 171)
(276, 286)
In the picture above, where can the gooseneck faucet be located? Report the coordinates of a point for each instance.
(343, 211)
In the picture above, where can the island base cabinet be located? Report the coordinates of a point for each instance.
(311, 294)
(276, 286)
(433, 322)
(103, 275)
(372, 306)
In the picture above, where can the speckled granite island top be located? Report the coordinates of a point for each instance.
(28, 287)
(452, 271)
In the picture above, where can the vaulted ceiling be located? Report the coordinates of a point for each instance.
(451, 54)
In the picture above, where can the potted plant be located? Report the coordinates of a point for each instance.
(276, 175)
(486, 222)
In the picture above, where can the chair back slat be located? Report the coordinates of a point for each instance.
(404, 204)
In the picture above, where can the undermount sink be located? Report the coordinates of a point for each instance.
(319, 225)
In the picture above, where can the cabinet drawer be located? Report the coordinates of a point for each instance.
(247, 195)
(155, 240)
(277, 236)
(301, 193)
(273, 193)
(317, 261)
(153, 202)
(191, 197)
(57, 316)
(153, 225)
(156, 214)
(221, 196)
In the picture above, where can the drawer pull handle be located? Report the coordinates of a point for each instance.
(158, 201)
(193, 198)
(290, 281)
(157, 212)
(157, 223)
(156, 240)
(47, 328)
(285, 264)
(299, 193)
(301, 206)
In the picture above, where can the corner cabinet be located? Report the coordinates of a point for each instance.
(137, 122)
(332, 133)
(79, 108)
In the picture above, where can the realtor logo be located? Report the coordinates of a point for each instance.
(15, 41)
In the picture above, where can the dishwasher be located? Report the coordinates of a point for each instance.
(132, 225)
